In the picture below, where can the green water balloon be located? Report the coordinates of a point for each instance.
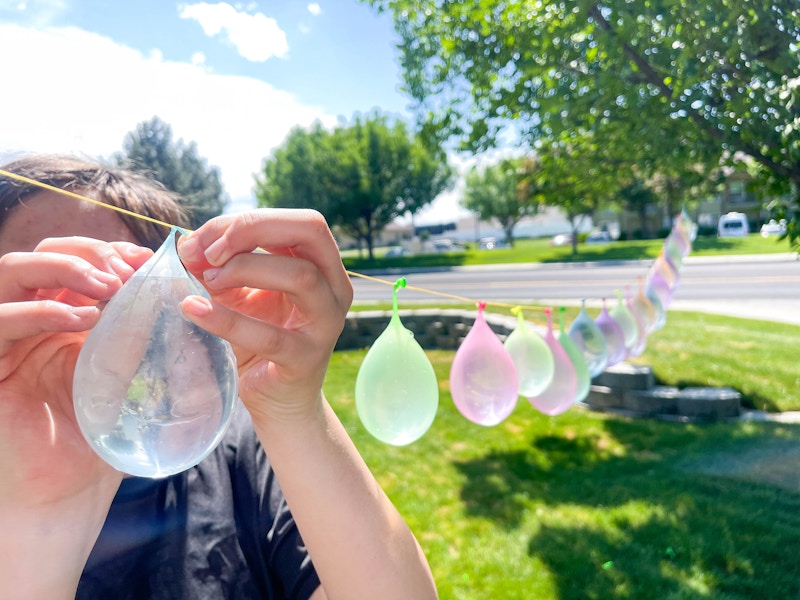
(626, 321)
(397, 394)
(531, 356)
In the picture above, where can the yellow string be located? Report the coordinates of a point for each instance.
(157, 222)
(79, 197)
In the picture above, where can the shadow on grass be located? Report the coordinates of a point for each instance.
(646, 526)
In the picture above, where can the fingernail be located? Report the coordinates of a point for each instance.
(103, 277)
(189, 249)
(215, 250)
(83, 312)
(210, 274)
(196, 306)
(120, 266)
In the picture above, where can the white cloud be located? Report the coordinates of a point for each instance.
(314, 9)
(235, 121)
(198, 58)
(256, 37)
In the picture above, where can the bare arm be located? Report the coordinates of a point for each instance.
(283, 313)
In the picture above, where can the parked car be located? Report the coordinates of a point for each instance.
(490, 243)
(562, 239)
(598, 237)
(773, 228)
(395, 251)
(447, 245)
(733, 224)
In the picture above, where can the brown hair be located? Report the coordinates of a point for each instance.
(124, 189)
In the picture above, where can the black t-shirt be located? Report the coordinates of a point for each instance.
(219, 530)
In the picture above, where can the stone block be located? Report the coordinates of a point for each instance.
(709, 403)
(625, 376)
(658, 400)
(603, 398)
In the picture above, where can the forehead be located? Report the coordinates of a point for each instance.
(49, 214)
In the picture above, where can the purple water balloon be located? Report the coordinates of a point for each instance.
(615, 337)
(563, 389)
(483, 379)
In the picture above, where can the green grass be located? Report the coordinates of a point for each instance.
(586, 505)
(539, 250)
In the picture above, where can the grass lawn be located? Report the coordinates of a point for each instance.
(586, 505)
(539, 250)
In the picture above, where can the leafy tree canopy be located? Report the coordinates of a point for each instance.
(670, 82)
(360, 175)
(151, 149)
(505, 191)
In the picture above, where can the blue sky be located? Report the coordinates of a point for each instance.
(80, 74)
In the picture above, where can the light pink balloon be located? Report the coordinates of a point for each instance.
(563, 389)
(615, 336)
(483, 379)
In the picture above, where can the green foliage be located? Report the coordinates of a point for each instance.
(360, 175)
(151, 149)
(666, 85)
(504, 192)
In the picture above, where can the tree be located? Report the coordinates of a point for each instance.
(675, 83)
(178, 166)
(360, 175)
(504, 191)
(636, 197)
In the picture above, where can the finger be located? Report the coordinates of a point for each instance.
(300, 280)
(19, 320)
(122, 258)
(252, 336)
(23, 273)
(304, 232)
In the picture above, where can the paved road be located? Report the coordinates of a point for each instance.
(762, 286)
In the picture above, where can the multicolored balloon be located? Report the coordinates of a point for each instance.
(590, 341)
(397, 394)
(641, 341)
(532, 357)
(562, 391)
(483, 379)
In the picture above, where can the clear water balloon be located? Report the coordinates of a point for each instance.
(397, 394)
(661, 313)
(590, 341)
(641, 340)
(582, 378)
(661, 288)
(154, 393)
(626, 321)
(615, 337)
(562, 391)
(483, 379)
(531, 355)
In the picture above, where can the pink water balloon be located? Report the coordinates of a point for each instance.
(576, 358)
(561, 392)
(661, 288)
(483, 379)
(532, 357)
(615, 337)
(590, 341)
